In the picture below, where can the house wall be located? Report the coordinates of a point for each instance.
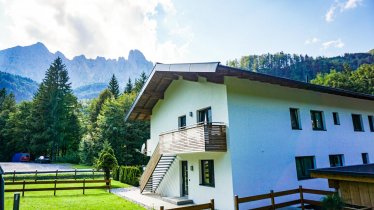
(180, 98)
(263, 146)
(357, 193)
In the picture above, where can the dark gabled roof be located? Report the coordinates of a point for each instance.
(366, 170)
(163, 74)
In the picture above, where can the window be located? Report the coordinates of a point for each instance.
(295, 119)
(182, 121)
(303, 164)
(365, 158)
(207, 173)
(335, 115)
(336, 160)
(204, 116)
(357, 122)
(371, 123)
(317, 120)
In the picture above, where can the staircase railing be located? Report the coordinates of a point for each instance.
(152, 164)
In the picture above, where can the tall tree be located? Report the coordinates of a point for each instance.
(129, 87)
(56, 127)
(7, 107)
(113, 86)
(139, 83)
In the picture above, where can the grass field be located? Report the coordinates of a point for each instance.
(72, 199)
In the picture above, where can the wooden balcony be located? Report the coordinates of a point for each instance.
(196, 138)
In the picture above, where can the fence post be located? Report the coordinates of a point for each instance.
(2, 189)
(36, 175)
(272, 199)
(16, 201)
(93, 174)
(54, 192)
(212, 204)
(75, 174)
(14, 175)
(236, 202)
(301, 197)
(56, 174)
(84, 185)
(23, 188)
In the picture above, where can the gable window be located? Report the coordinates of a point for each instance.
(371, 123)
(335, 115)
(357, 122)
(303, 164)
(182, 121)
(317, 120)
(365, 158)
(295, 119)
(207, 173)
(204, 116)
(336, 160)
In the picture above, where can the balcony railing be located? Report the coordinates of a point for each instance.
(196, 138)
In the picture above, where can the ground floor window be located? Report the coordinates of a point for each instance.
(365, 158)
(303, 164)
(336, 160)
(207, 173)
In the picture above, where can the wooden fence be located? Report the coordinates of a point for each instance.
(301, 201)
(57, 174)
(195, 207)
(55, 188)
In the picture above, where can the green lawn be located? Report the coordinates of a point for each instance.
(72, 199)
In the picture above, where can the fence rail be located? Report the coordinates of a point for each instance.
(55, 188)
(56, 174)
(301, 201)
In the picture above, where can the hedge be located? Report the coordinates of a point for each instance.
(127, 174)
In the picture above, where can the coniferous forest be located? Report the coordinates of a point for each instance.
(57, 125)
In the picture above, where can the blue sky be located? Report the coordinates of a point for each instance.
(189, 31)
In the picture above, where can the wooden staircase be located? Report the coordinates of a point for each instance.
(155, 171)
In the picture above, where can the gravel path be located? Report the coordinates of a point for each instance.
(9, 166)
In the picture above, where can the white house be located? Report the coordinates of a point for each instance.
(218, 131)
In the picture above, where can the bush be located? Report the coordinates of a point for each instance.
(332, 202)
(71, 157)
(115, 173)
(129, 175)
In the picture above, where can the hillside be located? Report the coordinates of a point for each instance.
(32, 62)
(23, 88)
(300, 67)
(89, 91)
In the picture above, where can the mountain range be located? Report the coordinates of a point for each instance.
(31, 62)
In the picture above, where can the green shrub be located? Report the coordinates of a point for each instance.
(129, 175)
(71, 157)
(332, 202)
(115, 173)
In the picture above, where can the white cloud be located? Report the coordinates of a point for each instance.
(333, 44)
(312, 40)
(342, 6)
(96, 28)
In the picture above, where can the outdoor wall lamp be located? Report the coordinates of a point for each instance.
(191, 168)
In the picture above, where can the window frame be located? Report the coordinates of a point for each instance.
(296, 112)
(371, 123)
(180, 122)
(365, 156)
(209, 120)
(299, 161)
(313, 118)
(341, 157)
(360, 123)
(335, 117)
(211, 173)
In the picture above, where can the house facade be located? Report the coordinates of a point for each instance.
(218, 131)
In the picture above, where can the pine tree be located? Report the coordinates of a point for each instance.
(113, 86)
(54, 114)
(129, 86)
(140, 82)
